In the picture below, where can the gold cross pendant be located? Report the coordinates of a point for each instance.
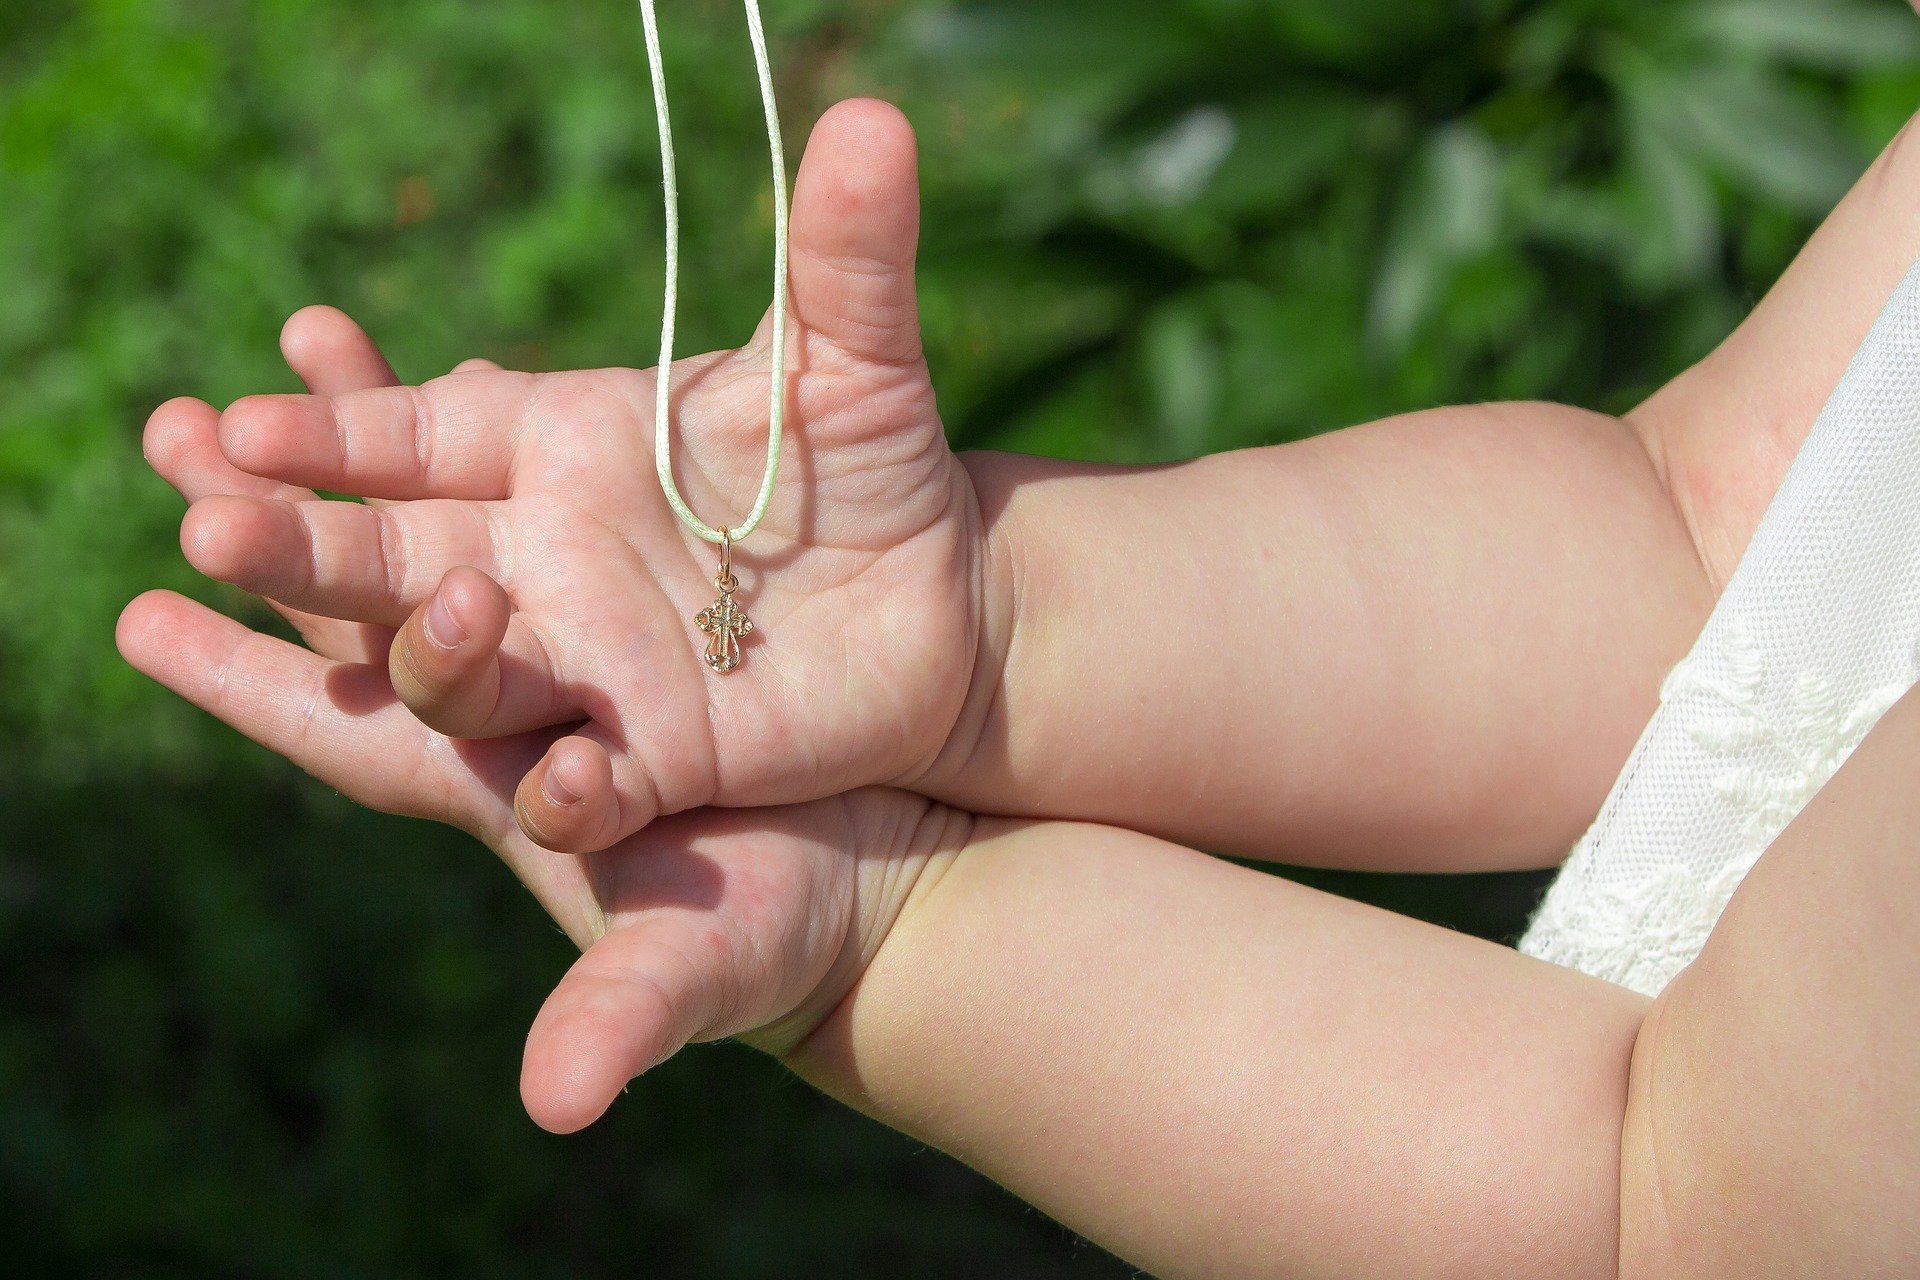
(723, 621)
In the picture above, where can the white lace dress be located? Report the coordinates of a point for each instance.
(1817, 635)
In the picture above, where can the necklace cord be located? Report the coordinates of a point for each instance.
(777, 355)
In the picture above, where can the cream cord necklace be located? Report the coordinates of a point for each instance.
(723, 622)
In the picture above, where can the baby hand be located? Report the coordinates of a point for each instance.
(721, 922)
(726, 922)
(538, 577)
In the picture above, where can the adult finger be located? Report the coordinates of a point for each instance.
(340, 722)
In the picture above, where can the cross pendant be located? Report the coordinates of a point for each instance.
(724, 623)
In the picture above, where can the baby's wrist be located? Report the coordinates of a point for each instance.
(930, 952)
(1002, 555)
(891, 887)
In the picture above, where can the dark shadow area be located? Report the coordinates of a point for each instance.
(257, 1032)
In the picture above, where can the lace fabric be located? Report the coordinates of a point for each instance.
(1816, 636)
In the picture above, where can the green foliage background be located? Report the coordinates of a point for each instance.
(248, 1030)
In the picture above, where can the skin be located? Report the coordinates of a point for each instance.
(869, 567)
(1771, 1127)
(1272, 1057)
(948, 625)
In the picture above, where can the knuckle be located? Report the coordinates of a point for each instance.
(390, 547)
(247, 430)
(422, 791)
(426, 427)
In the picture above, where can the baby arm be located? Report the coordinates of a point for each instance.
(1214, 1072)
(1425, 643)
(1421, 643)
(1217, 1073)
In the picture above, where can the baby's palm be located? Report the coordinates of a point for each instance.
(863, 581)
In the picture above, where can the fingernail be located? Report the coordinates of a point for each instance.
(557, 791)
(440, 625)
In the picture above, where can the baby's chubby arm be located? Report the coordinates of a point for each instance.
(1423, 643)
(1215, 1072)
(1218, 1073)
(1426, 642)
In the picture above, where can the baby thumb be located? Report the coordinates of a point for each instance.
(855, 229)
(632, 1001)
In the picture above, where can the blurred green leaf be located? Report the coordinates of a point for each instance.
(1447, 212)
(1285, 145)
(1083, 51)
(1183, 366)
(1759, 132)
(1682, 224)
(1840, 35)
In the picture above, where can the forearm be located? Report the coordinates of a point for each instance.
(1214, 1072)
(1424, 643)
